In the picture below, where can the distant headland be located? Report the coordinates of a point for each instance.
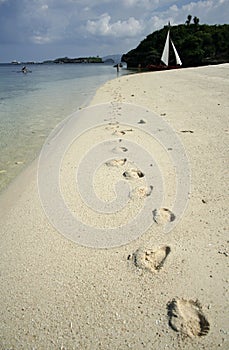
(62, 60)
(197, 45)
(111, 59)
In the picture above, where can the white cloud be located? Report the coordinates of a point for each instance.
(104, 27)
(38, 39)
(44, 7)
(142, 3)
(132, 2)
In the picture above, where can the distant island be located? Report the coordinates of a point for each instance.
(111, 59)
(197, 45)
(62, 60)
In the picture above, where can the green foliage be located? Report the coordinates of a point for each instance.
(197, 45)
(79, 60)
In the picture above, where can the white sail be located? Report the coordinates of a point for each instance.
(165, 54)
(178, 60)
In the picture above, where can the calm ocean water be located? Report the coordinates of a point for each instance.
(32, 104)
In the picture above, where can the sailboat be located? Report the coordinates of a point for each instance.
(165, 56)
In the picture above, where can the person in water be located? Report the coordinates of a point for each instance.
(24, 69)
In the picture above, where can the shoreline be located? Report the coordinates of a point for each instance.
(47, 105)
(58, 294)
(91, 100)
(26, 168)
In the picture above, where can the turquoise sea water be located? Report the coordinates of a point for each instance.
(32, 104)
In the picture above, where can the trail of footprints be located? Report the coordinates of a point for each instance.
(185, 316)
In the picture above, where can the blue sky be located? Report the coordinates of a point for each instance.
(45, 29)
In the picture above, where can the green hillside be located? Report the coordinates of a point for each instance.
(196, 44)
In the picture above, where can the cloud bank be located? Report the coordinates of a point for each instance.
(51, 28)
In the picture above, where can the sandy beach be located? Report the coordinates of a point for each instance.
(155, 290)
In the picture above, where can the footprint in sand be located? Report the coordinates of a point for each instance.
(151, 259)
(112, 126)
(121, 132)
(187, 318)
(133, 174)
(142, 191)
(116, 162)
(119, 149)
(163, 215)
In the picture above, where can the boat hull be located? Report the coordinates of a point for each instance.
(161, 67)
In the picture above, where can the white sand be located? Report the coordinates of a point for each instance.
(56, 294)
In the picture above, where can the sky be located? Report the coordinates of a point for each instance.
(37, 30)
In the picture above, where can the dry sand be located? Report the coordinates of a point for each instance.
(160, 291)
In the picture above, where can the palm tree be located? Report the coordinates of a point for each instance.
(188, 21)
(196, 20)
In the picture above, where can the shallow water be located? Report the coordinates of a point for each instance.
(32, 104)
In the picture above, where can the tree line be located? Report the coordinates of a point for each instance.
(197, 44)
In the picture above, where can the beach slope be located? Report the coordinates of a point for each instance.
(159, 291)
